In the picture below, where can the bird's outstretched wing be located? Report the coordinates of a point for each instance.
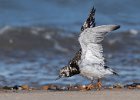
(91, 43)
(90, 22)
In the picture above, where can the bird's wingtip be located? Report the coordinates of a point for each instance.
(114, 73)
(116, 27)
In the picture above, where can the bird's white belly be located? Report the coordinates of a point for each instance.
(92, 63)
(92, 72)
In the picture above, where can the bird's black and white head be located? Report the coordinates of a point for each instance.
(68, 71)
(64, 72)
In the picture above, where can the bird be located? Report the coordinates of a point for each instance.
(89, 61)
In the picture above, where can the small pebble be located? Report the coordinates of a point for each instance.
(53, 87)
(16, 87)
(7, 88)
(45, 87)
(138, 86)
(25, 87)
(111, 87)
(131, 87)
(118, 86)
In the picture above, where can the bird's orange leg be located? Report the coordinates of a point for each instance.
(99, 84)
(90, 86)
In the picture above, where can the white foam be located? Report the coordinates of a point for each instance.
(60, 48)
(134, 32)
(4, 29)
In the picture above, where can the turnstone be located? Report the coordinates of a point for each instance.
(89, 61)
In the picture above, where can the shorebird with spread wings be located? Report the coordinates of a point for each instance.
(89, 60)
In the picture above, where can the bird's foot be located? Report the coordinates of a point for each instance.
(99, 85)
(90, 87)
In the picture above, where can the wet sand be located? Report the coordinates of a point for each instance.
(72, 95)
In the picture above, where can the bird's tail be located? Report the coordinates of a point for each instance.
(111, 70)
(115, 73)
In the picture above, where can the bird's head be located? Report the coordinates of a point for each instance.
(64, 72)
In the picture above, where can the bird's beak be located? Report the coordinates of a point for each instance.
(58, 78)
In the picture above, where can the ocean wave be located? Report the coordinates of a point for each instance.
(26, 38)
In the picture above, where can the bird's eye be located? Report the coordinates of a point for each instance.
(63, 74)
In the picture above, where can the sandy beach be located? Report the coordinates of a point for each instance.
(72, 95)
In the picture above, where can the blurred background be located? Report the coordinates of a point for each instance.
(38, 37)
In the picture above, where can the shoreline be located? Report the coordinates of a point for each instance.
(116, 94)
